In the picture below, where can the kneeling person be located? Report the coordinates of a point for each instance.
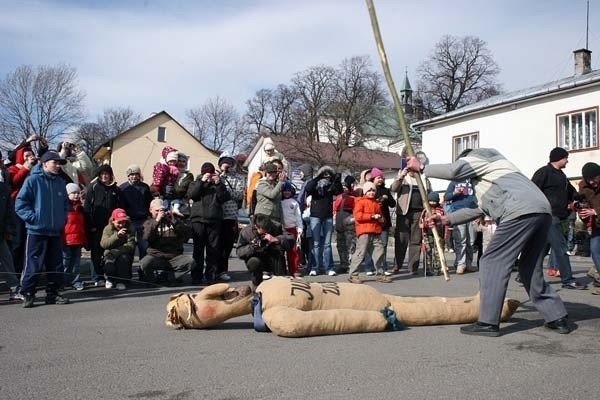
(165, 236)
(262, 246)
(118, 242)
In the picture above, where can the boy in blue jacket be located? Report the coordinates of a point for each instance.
(43, 204)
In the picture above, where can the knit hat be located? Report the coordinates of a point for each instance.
(118, 215)
(433, 196)
(375, 172)
(105, 168)
(307, 170)
(207, 168)
(133, 169)
(349, 180)
(73, 188)
(269, 146)
(172, 156)
(156, 203)
(590, 170)
(166, 150)
(288, 187)
(368, 186)
(558, 153)
(181, 157)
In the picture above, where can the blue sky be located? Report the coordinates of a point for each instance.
(173, 55)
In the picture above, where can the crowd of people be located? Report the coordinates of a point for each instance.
(54, 204)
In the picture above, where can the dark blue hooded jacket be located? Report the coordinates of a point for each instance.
(43, 203)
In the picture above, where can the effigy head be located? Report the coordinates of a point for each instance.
(211, 306)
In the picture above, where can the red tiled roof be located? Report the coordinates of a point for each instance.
(325, 154)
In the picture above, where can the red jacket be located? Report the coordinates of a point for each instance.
(18, 173)
(364, 208)
(74, 230)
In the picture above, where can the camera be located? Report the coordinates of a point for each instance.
(259, 243)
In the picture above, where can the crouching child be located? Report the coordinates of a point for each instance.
(118, 242)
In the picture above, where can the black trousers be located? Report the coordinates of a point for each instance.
(228, 235)
(206, 237)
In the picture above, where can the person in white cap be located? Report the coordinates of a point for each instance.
(136, 196)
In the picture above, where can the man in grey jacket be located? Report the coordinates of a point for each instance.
(523, 216)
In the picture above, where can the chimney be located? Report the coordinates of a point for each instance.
(583, 61)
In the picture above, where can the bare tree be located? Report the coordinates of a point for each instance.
(315, 92)
(258, 109)
(460, 71)
(116, 120)
(214, 123)
(89, 137)
(358, 93)
(44, 101)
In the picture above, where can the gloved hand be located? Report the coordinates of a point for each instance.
(173, 170)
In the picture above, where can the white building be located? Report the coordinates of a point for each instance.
(525, 125)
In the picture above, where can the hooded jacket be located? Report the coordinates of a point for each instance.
(42, 203)
(101, 200)
(323, 191)
(17, 172)
(163, 177)
(364, 209)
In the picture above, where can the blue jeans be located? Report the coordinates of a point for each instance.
(595, 247)
(558, 244)
(322, 229)
(71, 260)
(142, 245)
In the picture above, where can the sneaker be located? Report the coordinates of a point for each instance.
(57, 300)
(28, 301)
(552, 272)
(78, 285)
(13, 295)
(383, 279)
(460, 271)
(332, 273)
(593, 273)
(108, 285)
(224, 277)
(354, 279)
(574, 285)
(370, 273)
(596, 292)
(266, 276)
(100, 283)
(387, 273)
(395, 270)
(121, 286)
(312, 273)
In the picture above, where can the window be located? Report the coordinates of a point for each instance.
(462, 142)
(578, 130)
(162, 133)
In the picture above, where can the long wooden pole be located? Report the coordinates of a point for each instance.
(404, 129)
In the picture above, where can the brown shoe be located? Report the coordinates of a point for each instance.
(395, 270)
(354, 279)
(383, 279)
(596, 292)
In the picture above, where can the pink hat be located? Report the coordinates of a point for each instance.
(375, 172)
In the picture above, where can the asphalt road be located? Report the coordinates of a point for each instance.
(114, 345)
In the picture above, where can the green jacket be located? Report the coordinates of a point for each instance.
(115, 245)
